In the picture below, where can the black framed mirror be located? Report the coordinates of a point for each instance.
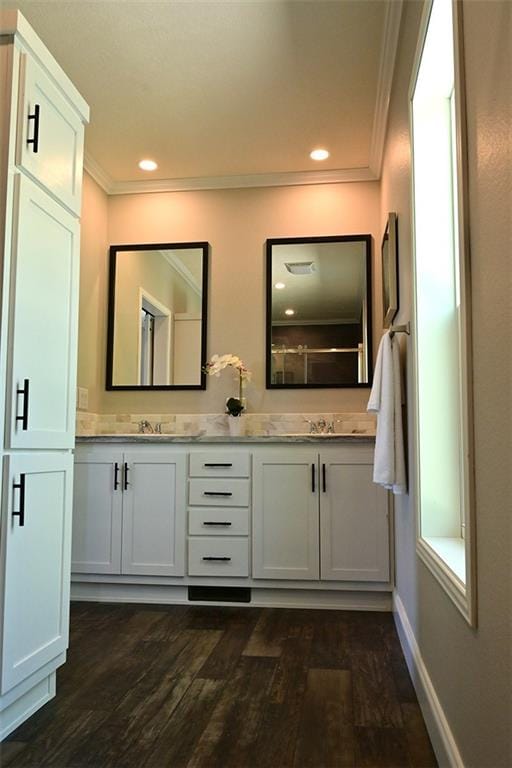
(319, 319)
(157, 316)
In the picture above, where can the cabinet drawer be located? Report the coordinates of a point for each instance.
(215, 556)
(218, 522)
(50, 136)
(219, 493)
(220, 464)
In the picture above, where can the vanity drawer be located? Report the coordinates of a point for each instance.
(218, 522)
(219, 492)
(216, 556)
(220, 464)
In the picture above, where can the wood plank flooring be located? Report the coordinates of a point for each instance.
(208, 687)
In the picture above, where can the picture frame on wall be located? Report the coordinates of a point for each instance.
(389, 253)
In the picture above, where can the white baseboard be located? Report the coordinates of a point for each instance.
(441, 735)
(260, 598)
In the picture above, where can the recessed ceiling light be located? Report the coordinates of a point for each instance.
(148, 165)
(279, 286)
(319, 154)
(289, 311)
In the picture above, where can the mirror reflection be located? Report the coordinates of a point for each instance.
(157, 316)
(318, 312)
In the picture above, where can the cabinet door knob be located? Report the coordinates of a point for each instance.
(35, 137)
(20, 513)
(24, 391)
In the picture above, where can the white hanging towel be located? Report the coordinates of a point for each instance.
(386, 401)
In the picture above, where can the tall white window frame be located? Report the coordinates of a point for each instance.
(444, 482)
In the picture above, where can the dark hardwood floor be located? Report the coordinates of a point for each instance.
(208, 687)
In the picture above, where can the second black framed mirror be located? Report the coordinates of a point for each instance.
(319, 313)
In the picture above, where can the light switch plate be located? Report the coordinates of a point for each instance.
(83, 398)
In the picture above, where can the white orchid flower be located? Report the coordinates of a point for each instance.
(217, 364)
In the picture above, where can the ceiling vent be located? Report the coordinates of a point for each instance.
(300, 267)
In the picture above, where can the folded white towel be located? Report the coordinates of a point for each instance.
(386, 401)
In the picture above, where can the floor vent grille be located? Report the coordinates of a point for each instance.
(220, 594)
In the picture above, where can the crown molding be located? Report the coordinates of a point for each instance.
(97, 173)
(386, 70)
(182, 271)
(224, 182)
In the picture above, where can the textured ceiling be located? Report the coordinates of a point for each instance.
(219, 88)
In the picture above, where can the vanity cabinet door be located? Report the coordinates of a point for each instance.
(50, 137)
(354, 523)
(285, 515)
(36, 538)
(97, 512)
(43, 322)
(154, 510)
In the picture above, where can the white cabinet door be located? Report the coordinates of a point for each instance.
(354, 528)
(154, 506)
(285, 515)
(50, 137)
(36, 544)
(43, 322)
(97, 512)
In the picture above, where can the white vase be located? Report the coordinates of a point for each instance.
(236, 425)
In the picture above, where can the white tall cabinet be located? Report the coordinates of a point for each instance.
(42, 118)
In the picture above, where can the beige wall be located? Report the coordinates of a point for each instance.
(92, 328)
(236, 223)
(470, 669)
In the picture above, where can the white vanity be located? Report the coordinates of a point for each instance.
(292, 521)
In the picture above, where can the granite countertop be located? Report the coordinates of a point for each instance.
(345, 437)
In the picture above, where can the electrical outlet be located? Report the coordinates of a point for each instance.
(83, 398)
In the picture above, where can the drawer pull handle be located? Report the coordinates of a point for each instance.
(220, 559)
(24, 417)
(219, 465)
(217, 493)
(208, 522)
(21, 511)
(35, 139)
